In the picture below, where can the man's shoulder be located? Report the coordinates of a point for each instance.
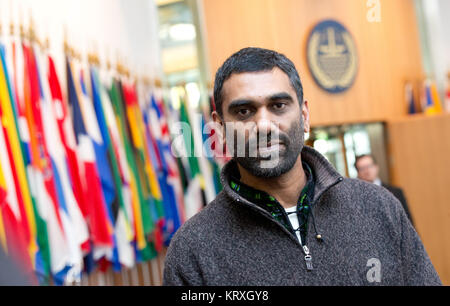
(370, 195)
(362, 187)
(367, 203)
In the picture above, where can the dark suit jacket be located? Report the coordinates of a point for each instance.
(398, 193)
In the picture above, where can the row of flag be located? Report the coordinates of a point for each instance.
(87, 176)
(429, 101)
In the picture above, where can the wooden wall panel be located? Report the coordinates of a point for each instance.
(420, 163)
(389, 51)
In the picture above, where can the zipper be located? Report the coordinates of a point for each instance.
(305, 249)
(308, 258)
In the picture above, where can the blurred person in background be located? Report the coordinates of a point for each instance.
(368, 171)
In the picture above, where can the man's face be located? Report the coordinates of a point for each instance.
(263, 109)
(367, 169)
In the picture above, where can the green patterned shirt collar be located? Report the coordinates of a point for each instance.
(270, 204)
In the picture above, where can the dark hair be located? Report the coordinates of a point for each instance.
(364, 155)
(255, 60)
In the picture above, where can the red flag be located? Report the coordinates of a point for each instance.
(14, 213)
(42, 162)
(13, 217)
(65, 128)
(101, 232)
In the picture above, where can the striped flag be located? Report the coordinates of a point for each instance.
(74, 224)
(31, 223)
(154, 173)
(168, 174)
(138, 201)
(148, 159)
(66, 132)
(433, 103)
(194, 194)
(113, 123)
(410, 101)
(97, 131)
(43, 178)
(135, 125)
(123, 252)
(97, 216)
(210, 140)
(12, 232)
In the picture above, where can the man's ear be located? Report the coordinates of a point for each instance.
(216, 118)
(219, 122)
(305, 116)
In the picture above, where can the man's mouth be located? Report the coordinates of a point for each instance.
(270, 149)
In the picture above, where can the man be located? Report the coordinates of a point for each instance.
(368, 170)
(298, 222)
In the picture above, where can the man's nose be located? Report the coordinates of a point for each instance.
(264, 121)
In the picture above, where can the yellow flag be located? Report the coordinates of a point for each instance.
(8, 123)
(436, 99)
(2, 228)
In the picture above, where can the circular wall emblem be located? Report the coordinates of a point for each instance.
(332, 56)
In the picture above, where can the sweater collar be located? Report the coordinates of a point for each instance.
(325, 175)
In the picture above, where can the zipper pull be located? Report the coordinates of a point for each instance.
(308, 259)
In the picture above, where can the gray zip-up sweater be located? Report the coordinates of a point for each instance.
(367, 239)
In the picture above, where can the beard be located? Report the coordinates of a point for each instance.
(273, 166)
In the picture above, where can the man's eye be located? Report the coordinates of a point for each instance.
(243, 112)
(279, 106)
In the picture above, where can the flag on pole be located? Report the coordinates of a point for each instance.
(433, 103)
(43, 264)
(66, 132)
(19, 90)
(210, 141)
(155, 192)
(12, 234)
(194, 194)
(410, 101)
(123, 252)
(151, 160)
(96, 130)
(74, 224)
(138, 201)
(44, 177)
(119, 149)
(194, 168)
(99, 225)
(134, 122)
(166, 167)
(30, 222)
